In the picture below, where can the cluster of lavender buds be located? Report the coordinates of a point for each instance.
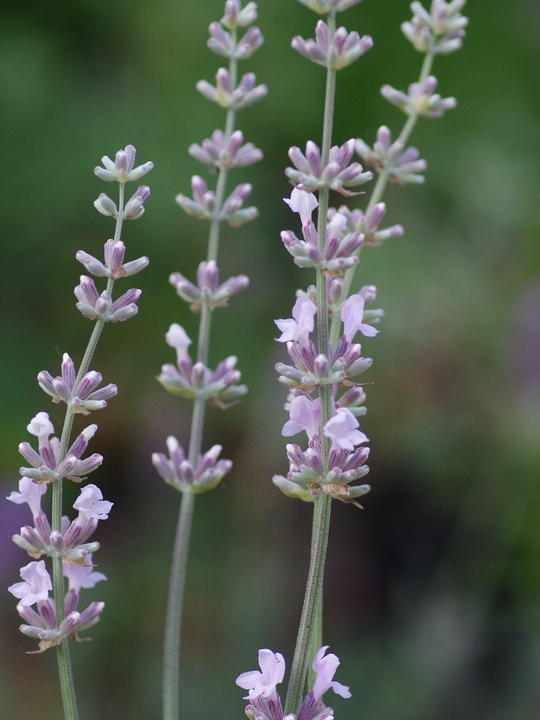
(264, 700)
(194, 471)
(65, 541)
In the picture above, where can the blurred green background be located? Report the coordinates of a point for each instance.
(432, 591)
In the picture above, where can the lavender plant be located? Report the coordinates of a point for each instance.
(194, 472)
(336, 453)
(56, 619)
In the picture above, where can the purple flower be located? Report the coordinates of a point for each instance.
(207, 291)
(341, 429)
(326, 667)
(203, 204)
(263, 684)
(82, 576)
(303, 203)
(305, 414)
(114, 266)
(29, 492)
(352, 316)
(301, 324)
(36, 585)
(91, 505)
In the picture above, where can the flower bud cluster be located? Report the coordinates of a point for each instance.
(401, 166)
(337, 174)
(203, 204)
(208, 291)
(230, 97)
(311, 370)
(324, 7)
(190, 380)
(82, 396)
(223, 44)
(217, 152)
(439, 31)
(43, 624)
(421, 99)
(93, 305)
(48, 464)
(177, 471)
(343, 49)
(133, 209)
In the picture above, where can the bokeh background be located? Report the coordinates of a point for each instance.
(433, 590)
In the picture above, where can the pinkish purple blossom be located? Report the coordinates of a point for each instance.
(326, 667)
(91, 505)
(263, 684)
(300, 325)
(114, 266)
(305, 414)
(342, 430)
(35, 586)
(29, 492)
(352, 316)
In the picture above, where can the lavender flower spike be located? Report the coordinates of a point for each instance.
(420, 100)
(122, 169)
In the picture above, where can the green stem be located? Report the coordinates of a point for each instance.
(177, 583)
(309, 637)
(378, 192)
(67, 687)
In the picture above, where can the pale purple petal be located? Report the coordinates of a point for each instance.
(303, 203)
(341, 429)
(178, 339)
(36, 585)
(352, 316)
(326, 667)
(91, 505)
(305, 415)
(29, 492)
(263, 683)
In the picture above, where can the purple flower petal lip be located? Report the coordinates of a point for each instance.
(325, 669)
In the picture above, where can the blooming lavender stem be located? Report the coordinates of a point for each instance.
(310, 630)
(64, 665)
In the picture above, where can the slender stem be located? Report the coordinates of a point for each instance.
(378, 192)
(319, 544)
(174, 609)
(65, 672)
(171, 658)
(310, 630)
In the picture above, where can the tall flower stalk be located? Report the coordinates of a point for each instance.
(225, 150)
(63, 541)
(336, 453)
